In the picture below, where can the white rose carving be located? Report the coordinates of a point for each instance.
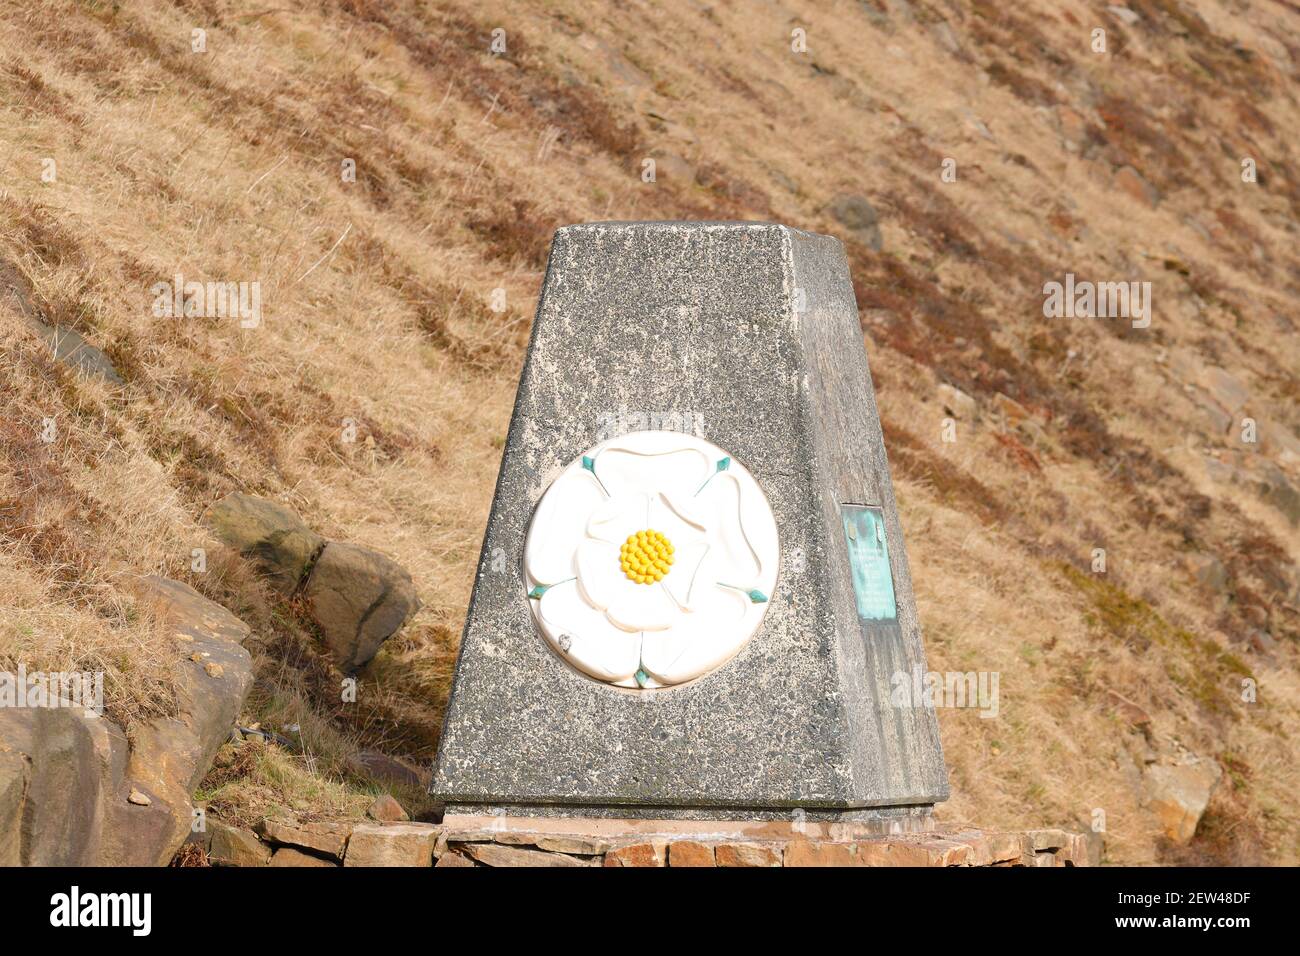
(708, 549)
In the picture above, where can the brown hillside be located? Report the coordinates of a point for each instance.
(377, 309)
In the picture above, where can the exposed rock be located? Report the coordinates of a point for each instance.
(72, 349)
(858, 216)
(360, 598)
(747, 854)
(1225, 388)
(1280, 442)
(82, 795)
(373, 765)
(1130, 181)
(330, 839)
(1276, 488)
(269, 533)
(170, 756)
(391, 844)
(671, 167)
(14, 773)
(288, 856)
(494, 854)
(235, 846)
(957, 403)
(1179, 794)
(386, 809)
(1124, 14)
(67, 345)
(690, 853)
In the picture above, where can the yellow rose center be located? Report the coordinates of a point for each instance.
(645, 557)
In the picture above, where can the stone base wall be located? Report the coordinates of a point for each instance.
(505, 841)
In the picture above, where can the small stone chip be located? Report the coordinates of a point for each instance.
(139, 798)
(214, 670)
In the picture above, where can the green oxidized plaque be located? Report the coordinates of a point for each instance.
(873, 584)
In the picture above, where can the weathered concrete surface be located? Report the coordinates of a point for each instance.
(750, 329)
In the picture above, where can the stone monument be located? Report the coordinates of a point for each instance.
(693, 598)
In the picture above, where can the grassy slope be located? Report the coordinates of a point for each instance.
(225, 165)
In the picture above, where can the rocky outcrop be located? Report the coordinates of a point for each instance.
(66, 345)
(74, 792)
(1178, 793)
(859, 217)
(359, 598)
(268, 533)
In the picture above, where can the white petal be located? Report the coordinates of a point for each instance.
(599, 575)
(735, 552)
(702, 639)
(619, 517)
(585, 637)
(558, 526)
(684, 581)
(674, 468)
(679, 519)
(644, 607)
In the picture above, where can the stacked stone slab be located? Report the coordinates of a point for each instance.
(751, 329)
(516, 842)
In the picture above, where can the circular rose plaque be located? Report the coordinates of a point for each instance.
(650, 560)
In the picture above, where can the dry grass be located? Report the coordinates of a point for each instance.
(377, 308)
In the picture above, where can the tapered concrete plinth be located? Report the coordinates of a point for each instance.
(746, 335)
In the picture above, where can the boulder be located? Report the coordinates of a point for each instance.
(359, 598)
(269, 533)
(74, 792)
(858, 216)
(957, 403)
(373, 765)
(385, 809)
(1179, 794)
